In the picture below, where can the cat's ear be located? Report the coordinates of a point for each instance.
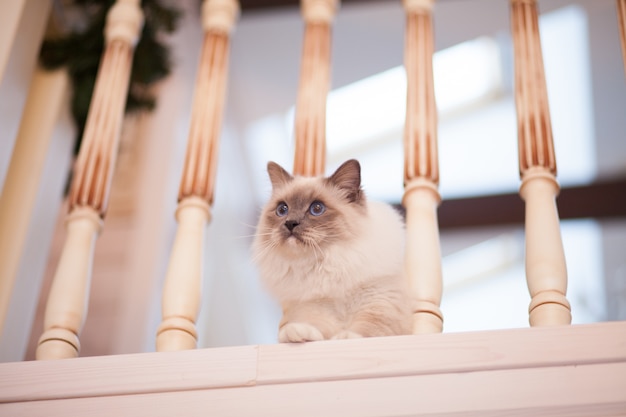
(278, 175)
(348, 178)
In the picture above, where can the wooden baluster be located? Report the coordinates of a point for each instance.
(545, 260)
(421, 170)
(11, 16)
(48, 90)
(68, 298)
(621, 16)
(183, 281)
(310, 123)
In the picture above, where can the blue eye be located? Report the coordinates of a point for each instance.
(282, 209)
(317, 208)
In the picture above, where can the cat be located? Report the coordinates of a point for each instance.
(332, 258)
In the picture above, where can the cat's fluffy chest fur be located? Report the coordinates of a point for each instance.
(333, 260)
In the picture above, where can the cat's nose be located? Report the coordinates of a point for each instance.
(291, 224)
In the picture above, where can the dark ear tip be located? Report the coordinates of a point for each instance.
(350, 165)
(278, 175)
(354, 162)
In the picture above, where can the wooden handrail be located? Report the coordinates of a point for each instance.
(563, 370)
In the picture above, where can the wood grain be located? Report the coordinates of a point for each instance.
(198, 177)
(310, 117)
(420, 130)
(621, 16)
(536, 145)
(93, 171)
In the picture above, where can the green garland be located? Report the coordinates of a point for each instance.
(80, 50)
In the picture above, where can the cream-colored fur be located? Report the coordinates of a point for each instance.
(343, 277)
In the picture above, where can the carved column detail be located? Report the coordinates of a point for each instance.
(310, 121)
(68, 299)
(421, 170)
(198, 177)
(183, 281)
(621, 16)
(546, 273)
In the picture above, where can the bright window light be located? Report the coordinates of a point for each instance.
(476, 109)
(365, 110)
(466, 74)
(375, 106)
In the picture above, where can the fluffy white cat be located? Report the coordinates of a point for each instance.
(331, 258)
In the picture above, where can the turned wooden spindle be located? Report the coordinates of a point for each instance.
(621, 16)
(183, 282)
(546, 273)
(421, 170)
(310, 123)
(68, 298)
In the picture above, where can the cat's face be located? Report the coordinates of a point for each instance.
(308, 214)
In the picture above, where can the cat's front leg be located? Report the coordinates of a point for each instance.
(308, 321)
(299, 332)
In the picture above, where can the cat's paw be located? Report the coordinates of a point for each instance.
(299, 332)
(347, 334)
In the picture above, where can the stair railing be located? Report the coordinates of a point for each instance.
(546, 273)
(69, 295)
(421, 170)
(182, 291)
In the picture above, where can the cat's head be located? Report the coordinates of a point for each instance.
(308, 214)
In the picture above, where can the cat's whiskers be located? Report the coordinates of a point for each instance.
(310, 243)
(310, 240)
(263, 232)
(319, 263)
(267, 232)
(269, 246)
(252, 235)
(252, 226)
(263, 252)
